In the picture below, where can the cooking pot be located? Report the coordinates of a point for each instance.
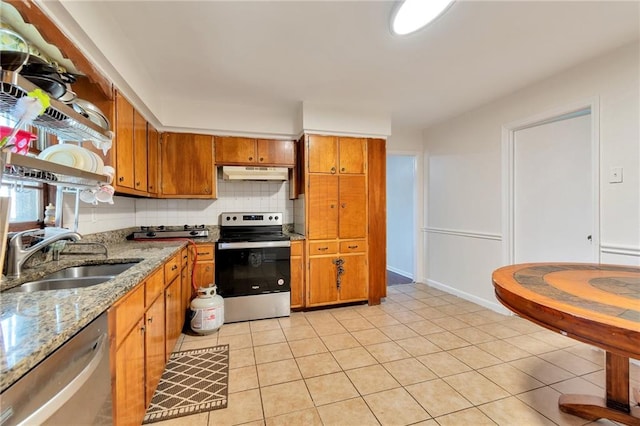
(47, 77)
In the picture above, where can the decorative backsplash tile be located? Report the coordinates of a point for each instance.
(232, 196)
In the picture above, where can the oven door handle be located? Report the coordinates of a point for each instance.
(261, 244)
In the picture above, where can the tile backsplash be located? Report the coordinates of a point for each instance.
(232, 196)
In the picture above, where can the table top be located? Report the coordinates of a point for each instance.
(594, 303)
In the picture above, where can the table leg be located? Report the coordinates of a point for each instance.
(616, 405)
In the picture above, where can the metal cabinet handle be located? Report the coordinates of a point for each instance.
(202, 253)
(343, 169)
(150, 320)
(323, 248)
(333, 170)
(333, 206)
(121, 179)
(250, 158)
(174, 267)
(344, 205)
(137, 183)
(353, 247)
(261, 159)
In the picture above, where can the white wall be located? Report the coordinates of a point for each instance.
(464, 176)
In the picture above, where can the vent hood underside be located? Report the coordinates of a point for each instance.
(254, 173)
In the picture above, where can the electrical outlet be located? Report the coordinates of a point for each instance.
(615, 175)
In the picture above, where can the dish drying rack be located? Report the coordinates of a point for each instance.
(58, 119)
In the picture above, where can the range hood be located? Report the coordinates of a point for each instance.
(254, 173)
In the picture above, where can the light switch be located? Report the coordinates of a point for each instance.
(615, 175)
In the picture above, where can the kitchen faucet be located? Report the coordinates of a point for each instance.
(17, 255)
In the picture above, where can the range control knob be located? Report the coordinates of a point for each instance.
(193, 233)
(276, 217)
(228, 218)
(151, 234)
(234, 218)
(270, 217)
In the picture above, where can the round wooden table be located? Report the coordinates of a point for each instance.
(593, 303)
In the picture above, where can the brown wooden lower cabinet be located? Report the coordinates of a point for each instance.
(205, 265)
(129, 384)
(325, 285)
(297, 274)
(174, 314)
(144, 326)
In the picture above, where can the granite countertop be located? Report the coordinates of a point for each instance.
(33, 325)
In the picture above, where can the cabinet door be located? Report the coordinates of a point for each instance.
(173, 315)
(205, 273)
(297, 275)
(154, 346)
(186, 166)
(353, 206)
(235, 150)
(322, 281)
(352, 155)
(323, 207)
(123, 144)
(129, 380)
(322, 154)
(353, 283)
(140, 152)
(152, 160)
(276, 152)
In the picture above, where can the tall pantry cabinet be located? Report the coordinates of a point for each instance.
(337, 220)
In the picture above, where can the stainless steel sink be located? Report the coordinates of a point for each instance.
(91, 270)
(59, 284)
(74, 277)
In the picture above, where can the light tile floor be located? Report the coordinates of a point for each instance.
(422, 357)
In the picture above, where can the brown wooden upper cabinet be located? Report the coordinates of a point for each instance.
(153, 155)
(333, 154)
(231, 150)
(186, 166)
(130, 146)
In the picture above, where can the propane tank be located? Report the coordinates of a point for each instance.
(207, 311)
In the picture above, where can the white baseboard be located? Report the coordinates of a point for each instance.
(494, 306)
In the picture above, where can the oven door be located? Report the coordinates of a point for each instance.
(248, 268)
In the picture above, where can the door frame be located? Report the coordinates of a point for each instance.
(416, 224)
(508, 163)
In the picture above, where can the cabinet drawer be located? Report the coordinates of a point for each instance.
(172, 268)
(205, 252)
(296, 248)
(154, 286)
(355, 246)
(323, 247)
(126, 313)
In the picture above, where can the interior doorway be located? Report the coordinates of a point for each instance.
(553, 196)
(401, 214)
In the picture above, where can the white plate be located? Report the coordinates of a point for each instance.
(62, 154)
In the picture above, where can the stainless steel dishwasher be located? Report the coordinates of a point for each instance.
(72, 386)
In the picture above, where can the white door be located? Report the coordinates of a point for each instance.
(554, 192)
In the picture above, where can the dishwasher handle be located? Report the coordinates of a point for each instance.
(48, 409)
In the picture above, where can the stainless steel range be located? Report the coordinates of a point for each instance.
(253, 266)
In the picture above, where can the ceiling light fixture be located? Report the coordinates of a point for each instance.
(412, 15)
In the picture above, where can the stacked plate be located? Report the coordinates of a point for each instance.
(73, 156)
